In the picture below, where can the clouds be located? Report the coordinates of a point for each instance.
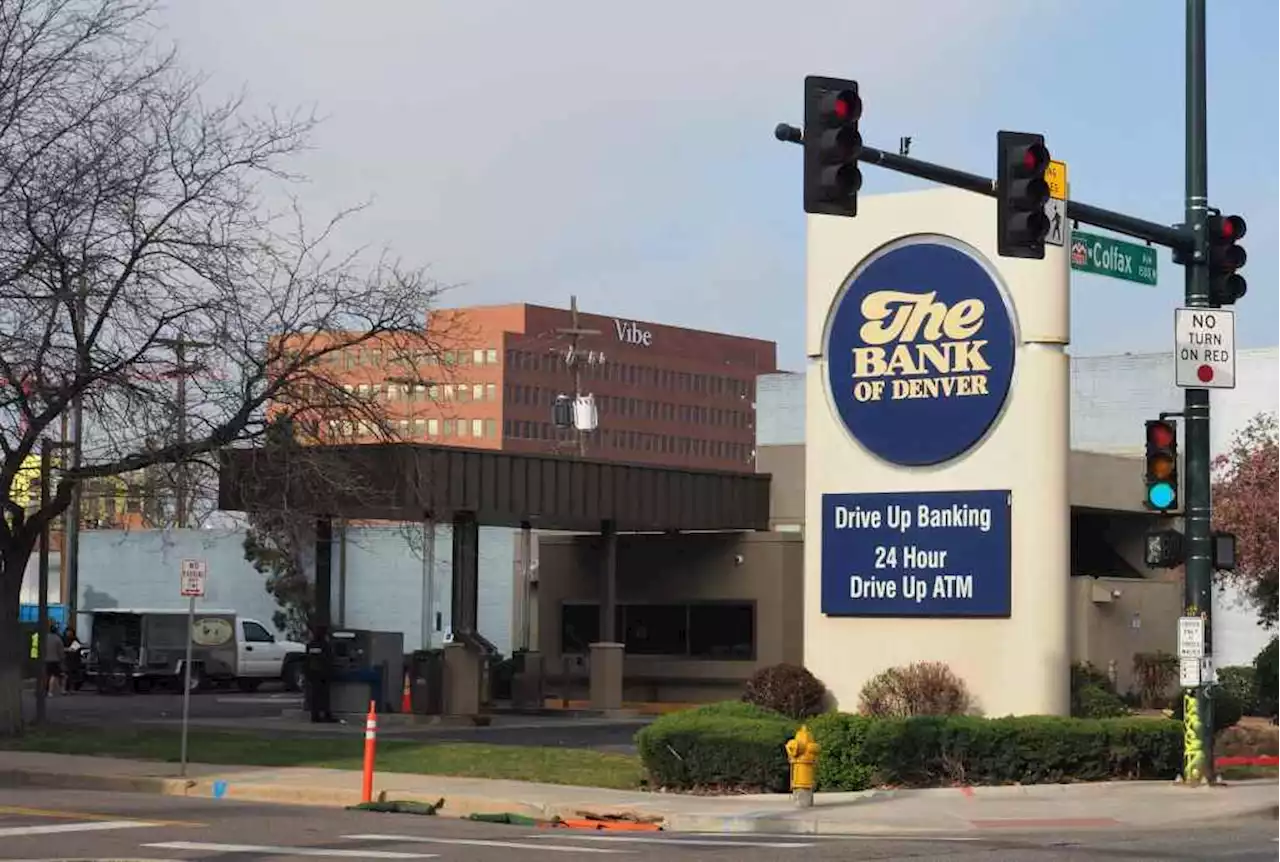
(622, 151)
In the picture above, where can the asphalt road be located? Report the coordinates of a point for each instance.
(276, 713)
(60, 825)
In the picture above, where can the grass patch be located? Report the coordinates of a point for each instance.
(468, 760)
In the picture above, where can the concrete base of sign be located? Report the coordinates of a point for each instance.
(606, 676)
(955, 357)
(462, 671)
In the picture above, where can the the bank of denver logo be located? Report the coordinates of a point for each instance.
(920, 350)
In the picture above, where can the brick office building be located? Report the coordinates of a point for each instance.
(664, 394)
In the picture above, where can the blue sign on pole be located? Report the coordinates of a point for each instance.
(920, 351)
(922, 554)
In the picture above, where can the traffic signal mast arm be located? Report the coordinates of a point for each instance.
(1178, 238)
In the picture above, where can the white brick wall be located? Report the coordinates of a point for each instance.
(139, 568)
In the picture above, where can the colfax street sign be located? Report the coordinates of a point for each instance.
(1104, 255)
(1205, 345)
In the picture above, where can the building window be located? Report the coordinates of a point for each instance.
(491, 356)
(719, 631)
(433, 427)
(477, 427)
(477, 392)
(477, 356)
(491, 428)
(491, 391)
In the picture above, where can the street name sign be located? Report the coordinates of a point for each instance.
(1205, 348)
(1103, 255)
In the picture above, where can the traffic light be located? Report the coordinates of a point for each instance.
(1164, 549)
(1021, 195)
(1162, 465)
(832, 144)
(1225, 257)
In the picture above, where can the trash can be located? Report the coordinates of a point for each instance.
(426, 682)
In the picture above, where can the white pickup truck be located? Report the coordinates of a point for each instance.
(149, 646)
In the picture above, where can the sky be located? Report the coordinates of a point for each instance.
(625, 152)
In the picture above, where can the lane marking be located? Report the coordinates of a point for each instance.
(692, 842)
(55, 828)
(477, 842)
(53, 814)
(288, 851)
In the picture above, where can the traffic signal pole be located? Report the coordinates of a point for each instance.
(1210, 283)
(1198, 589)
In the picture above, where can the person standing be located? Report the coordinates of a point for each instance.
(319, 671)
(54, 650)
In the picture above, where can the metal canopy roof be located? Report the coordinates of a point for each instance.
(406, 482)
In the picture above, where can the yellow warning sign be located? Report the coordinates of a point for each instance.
(1056, 176)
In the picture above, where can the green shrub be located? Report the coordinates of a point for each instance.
(1155, 673)
(1093, 695)
(1241, 682)
(923, 688)
(935, 750)
(1227, 709)
(1084, 673)
(1266, 667)
(1095, 701)
(786, 688)
(841, 764)
(722, 746)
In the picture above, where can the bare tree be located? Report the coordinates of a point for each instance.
(133, 214)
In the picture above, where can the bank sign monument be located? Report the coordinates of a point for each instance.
(936, 457)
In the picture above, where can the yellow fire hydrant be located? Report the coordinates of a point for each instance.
(802, 754)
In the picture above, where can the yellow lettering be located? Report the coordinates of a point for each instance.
(967, 356)
(877, 308)
(901, 361)
(964, 319)
(932, 354)
(868, 362)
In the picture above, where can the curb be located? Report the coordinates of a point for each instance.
(456, 806)
(462, 807)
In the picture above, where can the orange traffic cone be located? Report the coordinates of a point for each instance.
(406, 698)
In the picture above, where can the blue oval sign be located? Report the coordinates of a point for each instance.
(920, 351)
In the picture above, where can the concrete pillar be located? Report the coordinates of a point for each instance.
(461, 680)
(324, 572)
(609, 582)
(466, 573)
(606, 676)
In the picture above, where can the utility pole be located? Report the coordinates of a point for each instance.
(42, 601)
(574, 361)
(71, 531)
(182, 371)
(1198, 590)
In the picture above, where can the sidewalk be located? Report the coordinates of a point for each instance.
(1148, 805)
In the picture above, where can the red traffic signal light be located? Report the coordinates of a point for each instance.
(841, 106)
(832, 145)
(1225, 257)
(1021, 194)
(1161, 434)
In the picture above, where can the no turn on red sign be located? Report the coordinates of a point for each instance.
(1205, 348)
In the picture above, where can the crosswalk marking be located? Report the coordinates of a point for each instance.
(55, 828)
(287, 851)
(477, 842)
(680, 841)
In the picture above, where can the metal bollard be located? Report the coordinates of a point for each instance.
(802, 754)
